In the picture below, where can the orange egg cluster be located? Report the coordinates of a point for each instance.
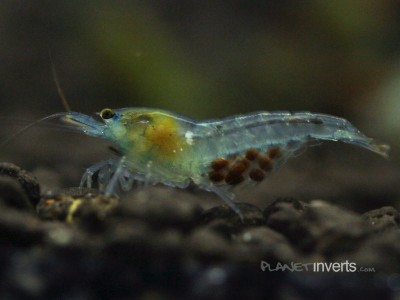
(252, 164)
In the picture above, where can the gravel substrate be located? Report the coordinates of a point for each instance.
(161, 244)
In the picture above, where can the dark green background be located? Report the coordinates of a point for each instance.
(205, 59)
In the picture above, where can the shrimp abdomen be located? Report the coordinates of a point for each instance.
(263, 130)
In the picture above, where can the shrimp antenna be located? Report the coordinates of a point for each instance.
(22, 130)
(53, 116)
(58, 86)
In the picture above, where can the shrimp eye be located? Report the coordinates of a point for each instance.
(107, 113)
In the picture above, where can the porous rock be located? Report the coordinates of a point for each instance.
(27, 181)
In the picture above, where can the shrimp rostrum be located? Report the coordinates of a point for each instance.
(158, 146)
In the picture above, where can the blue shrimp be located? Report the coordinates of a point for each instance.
(158, 146)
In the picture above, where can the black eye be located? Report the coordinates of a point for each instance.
(107, 113)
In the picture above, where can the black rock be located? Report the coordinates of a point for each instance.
(262, 243)
(54, 207)
(27, 181)
(284, 216)
(85, 207)
(329, 230)
(384, 218)
(379, 253)
(208, 244)
(19, 229)
(160, 209)
(12, 195)
(223, 216)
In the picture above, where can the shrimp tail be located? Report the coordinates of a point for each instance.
(359, 139)
(339, 129)
(380, 148)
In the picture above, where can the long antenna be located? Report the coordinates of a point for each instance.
(53, 116)
(56, 115)
(59, 89)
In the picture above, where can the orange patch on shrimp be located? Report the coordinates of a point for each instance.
(162, 135)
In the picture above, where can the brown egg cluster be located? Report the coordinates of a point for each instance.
(252, 164)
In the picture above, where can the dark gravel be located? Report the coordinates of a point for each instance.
(160, 243)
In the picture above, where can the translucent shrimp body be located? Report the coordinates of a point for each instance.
(157, 146)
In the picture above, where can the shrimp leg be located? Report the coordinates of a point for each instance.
(88, 175)
(118, 171)
(227, 197)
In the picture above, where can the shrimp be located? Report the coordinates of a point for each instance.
(157, 146)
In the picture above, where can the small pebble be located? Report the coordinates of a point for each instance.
(328, 229)
(208, 244)
(170, 209)
(252, 215)
(263, 243)
(284, 215)
(27, 181)
(13, 196)
(384, 218)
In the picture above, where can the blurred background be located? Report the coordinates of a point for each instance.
(205, 59)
